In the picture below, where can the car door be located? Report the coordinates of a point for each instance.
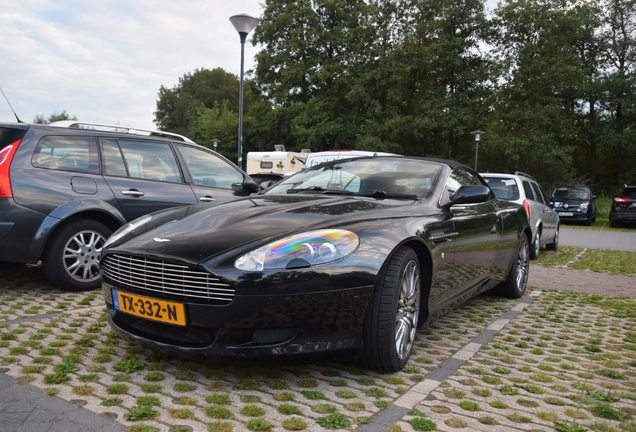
(478, 239)
(144, 176)
(212, 178)
(547, 214)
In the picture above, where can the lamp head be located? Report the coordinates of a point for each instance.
(243, 24)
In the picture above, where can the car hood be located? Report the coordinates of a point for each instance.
(202, 232)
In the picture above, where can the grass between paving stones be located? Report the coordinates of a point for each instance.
(567, 362)
(598, 260)
(567, 358)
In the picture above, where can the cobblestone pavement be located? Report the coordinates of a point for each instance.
(592, 239)
(553, 360)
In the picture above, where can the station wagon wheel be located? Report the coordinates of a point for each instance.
(71, 259)
(555, 240)
(515, 284)
(536, 246)
(390, 324)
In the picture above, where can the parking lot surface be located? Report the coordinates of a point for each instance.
(613, 240)
(553, 360)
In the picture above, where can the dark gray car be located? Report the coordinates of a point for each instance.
(64, 188)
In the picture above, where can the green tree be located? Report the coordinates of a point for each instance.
(533, 128)
(56, 116)
(429, 90)
(304, 68)
(178, 108)
(620, 103)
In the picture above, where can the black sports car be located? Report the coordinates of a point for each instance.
(347, 257)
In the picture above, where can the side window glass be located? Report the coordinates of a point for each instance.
(67, 153)
(528, 189)
(458, 178)
(150, 160)
(208, 169)
(538, 193)
(113, 160)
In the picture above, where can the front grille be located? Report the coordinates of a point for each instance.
(161, 277)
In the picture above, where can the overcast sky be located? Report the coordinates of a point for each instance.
(104, 61)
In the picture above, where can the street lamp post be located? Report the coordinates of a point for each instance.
(243, 24)
(477, 134)
(215, 141)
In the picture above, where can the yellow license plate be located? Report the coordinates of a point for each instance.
(150, 308)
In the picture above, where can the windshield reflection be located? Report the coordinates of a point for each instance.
(366, 176)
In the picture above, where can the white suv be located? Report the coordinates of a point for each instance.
(523, 189)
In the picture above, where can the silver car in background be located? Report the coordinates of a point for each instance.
(524, 190)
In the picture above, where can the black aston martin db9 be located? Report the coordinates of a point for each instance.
(349, 256)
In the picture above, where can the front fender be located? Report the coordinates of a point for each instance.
(65, 212)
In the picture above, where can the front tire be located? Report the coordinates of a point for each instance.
(536, 246)
(71, 259)
(390, 325)
(515, 284)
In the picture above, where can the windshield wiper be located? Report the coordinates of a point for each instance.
(383, 194)
(321, 189)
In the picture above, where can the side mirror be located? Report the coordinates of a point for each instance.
(593, 196)
(251, 186)
(471, 194)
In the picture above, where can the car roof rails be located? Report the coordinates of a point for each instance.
(119, 129)
(525, 175)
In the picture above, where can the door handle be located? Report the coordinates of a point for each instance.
(134, 193)
(207, 199)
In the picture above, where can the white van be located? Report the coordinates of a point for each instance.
(326, 156)
(277, 162)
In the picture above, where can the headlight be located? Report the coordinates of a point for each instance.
(310, 248)
(585, 205)
(127, 229)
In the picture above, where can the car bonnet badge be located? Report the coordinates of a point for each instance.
(161, 240)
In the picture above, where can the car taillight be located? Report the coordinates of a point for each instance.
(6, 155)
(621, 200)
(526, 206)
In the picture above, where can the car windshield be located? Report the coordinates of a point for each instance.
(376, 177)
(504, 188)
(569, 192)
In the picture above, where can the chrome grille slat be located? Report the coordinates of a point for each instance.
(156, 276)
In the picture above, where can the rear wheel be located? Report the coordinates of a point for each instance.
(71, 259)
(536, 246)
(390, 324)
(515, 284)
(555, 241)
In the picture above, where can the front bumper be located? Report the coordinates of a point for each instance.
(253, 326)
(575, 215)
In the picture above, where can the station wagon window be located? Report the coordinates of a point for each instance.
(207, 169)
(538, 193)
(67, 153)
(140, 159)
(528, 189)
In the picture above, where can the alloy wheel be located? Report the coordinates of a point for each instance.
(523, 264)
(408, 310)
(81, 255)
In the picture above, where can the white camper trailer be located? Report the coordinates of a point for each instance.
(277, 162)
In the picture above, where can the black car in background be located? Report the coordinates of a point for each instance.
(623, 206)
(574, 203)
(350, 255)
(65, 187)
